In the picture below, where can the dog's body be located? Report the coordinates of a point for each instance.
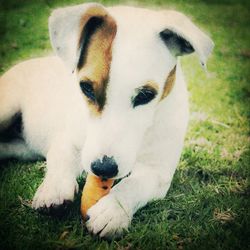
(143, 135)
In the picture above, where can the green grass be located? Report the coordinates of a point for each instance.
(207, 206)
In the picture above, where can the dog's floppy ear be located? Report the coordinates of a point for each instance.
(71, 29)
(182, 37)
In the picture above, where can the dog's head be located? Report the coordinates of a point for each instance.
(125, 61)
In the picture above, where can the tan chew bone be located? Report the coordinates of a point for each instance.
(95, 188)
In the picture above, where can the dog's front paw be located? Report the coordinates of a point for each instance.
(54, 195)
(109, 217)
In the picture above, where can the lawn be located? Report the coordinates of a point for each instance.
(207, 206)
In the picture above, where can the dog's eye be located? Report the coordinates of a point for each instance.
(88, 90)
(144, 96)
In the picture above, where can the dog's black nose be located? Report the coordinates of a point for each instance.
(107, 168)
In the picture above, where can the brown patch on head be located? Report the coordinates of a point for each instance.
(153, 85)
(169, 83)
(95, 44)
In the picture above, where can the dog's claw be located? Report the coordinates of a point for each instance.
(53, 198)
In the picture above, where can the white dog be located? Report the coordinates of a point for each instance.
(112, 102)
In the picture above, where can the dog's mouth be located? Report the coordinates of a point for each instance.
(118, 179)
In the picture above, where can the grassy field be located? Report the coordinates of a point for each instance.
(207, 206)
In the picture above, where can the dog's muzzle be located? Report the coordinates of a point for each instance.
(105, 168)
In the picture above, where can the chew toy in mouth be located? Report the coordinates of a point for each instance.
(95, 188)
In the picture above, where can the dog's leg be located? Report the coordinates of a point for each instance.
(114, 212)
(59, 184)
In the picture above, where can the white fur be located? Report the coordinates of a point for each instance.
(146, 141)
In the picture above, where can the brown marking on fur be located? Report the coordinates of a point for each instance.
(153, 85)
(169, 83)
(94, 109)
(95, 64)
